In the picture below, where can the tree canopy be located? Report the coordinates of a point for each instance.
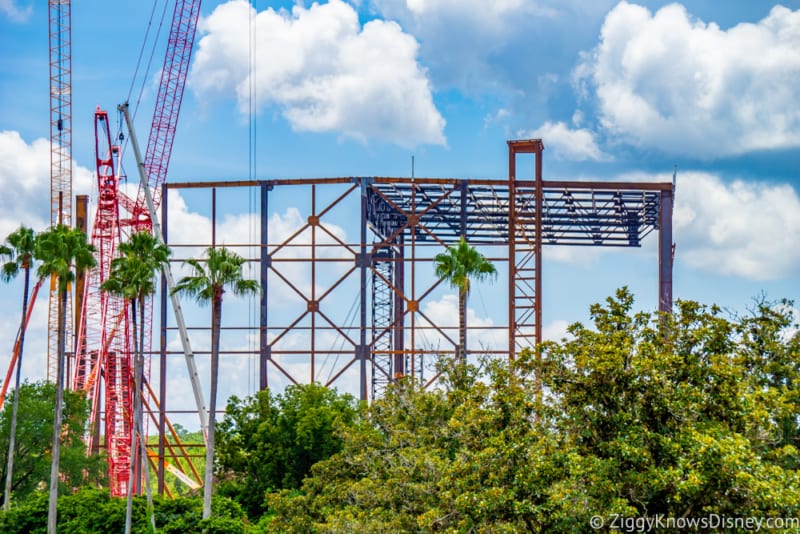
(269, 442)
(641, 415)
(33, 441)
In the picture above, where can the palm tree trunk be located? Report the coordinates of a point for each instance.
(132, 468)
(462, 325)
(139, 421)
(13, 435)
(52, 511)
(216, 316)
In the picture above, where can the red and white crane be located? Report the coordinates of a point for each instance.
(104, 362)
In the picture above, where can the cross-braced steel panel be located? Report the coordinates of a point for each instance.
(370, 242)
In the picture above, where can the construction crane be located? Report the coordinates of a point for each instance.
(104, 368)
(60, 32)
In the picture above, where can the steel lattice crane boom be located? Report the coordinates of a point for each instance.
(60, 34)
(104, 336)
(168, 103)
(104, 360)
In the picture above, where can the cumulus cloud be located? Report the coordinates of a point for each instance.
(576, 145)
(462, 39)
(745, 229)
(669, 81)
(479, 47)
(14, 11)
(25, 180)
(482, 332)
(324, 71)
(485, 19)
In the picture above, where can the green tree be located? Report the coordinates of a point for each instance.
(770, 346)
(678, 415)
(95, 511)
(132, 277)
(192, 462)
(269, 442)
(389, 470)
(460, 264)
(32, 463)
(18, 250)
(643, 414)
(222, 268)
(62, 252)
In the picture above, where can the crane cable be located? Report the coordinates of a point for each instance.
(142, 53)
(144, 77)
(349, 321)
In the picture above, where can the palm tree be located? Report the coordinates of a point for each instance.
(63, 252)
(458, 265)
(223, 268)
(19, 251)
(132, 278)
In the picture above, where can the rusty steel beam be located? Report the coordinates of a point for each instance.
(401, 224)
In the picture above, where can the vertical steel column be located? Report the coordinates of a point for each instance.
(512, 250)
(214, 217)
(265, 351)
(361, 349)
(82, 224)
(524, 249)
(463, 189)
(313, 305)
(381, 346)
(665, 252)
(461, 352)
(399, 366)
(162, 362)
(539, 192)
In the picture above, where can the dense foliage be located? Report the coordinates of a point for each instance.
(642, 415)
(269, 442)
(34, 437)
(639, 416)
(94, 511)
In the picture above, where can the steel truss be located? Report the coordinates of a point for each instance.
(403, 223)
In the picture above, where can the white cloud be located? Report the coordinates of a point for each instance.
(496, 117)
(556, 331)
(486, 18)
(15, 12)
(736, 228)
(678, 84)
(25, 178)
(572, 255)
(566, 143)
(190, 234)
(481, 334)
(460, 36)
(322, 69)
(493, 47)
(25, 181)
(741, 228)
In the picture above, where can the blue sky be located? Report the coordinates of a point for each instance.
(616, 90)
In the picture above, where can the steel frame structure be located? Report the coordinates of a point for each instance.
(403, 223)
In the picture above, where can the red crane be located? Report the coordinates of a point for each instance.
(104, 368)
